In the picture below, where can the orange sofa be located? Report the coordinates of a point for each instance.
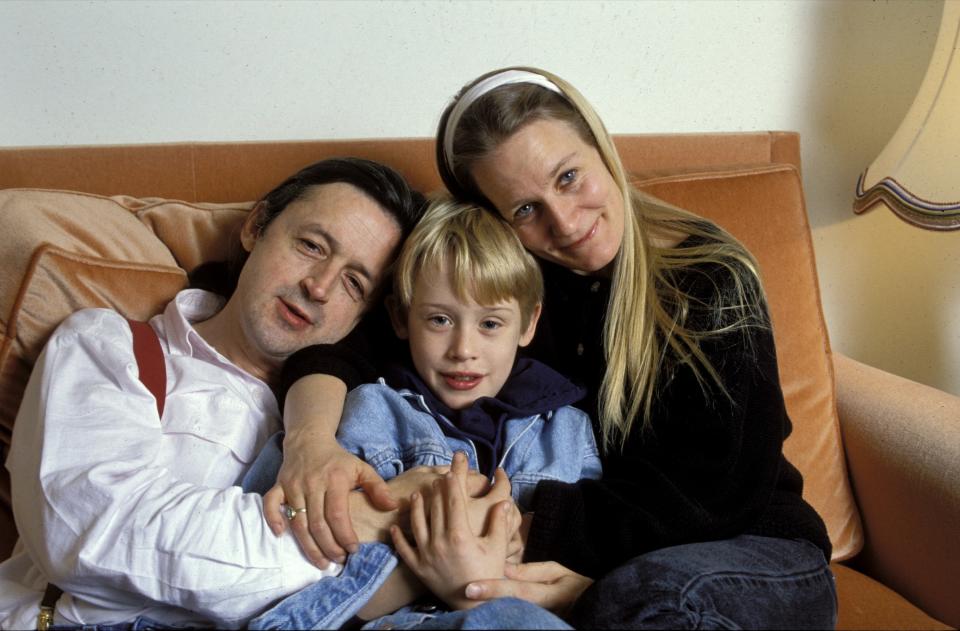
(120, 225)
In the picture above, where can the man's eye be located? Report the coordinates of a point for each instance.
(355, 287)
(311, 247)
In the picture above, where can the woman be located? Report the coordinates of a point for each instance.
(698, 520)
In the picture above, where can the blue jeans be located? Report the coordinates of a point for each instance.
(141, 623)
(743, 583)
(503, 613)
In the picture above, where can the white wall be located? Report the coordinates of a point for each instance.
(842, 73)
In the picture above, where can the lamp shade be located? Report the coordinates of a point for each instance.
(917, 175)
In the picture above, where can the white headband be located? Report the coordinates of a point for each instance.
(507, 77)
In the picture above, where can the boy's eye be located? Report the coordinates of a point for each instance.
(438, 320)
(490, 325)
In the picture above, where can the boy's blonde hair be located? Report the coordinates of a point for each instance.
(481, 252)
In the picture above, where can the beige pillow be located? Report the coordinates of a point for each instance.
(61, 251)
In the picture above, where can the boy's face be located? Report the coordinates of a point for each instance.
(462, 350)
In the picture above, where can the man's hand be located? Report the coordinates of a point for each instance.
(548, 584)
(319, 475)
(449, 551)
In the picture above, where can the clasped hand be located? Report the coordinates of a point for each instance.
(453, 544)
(322, 478)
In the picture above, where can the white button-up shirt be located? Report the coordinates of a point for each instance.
(133, 516)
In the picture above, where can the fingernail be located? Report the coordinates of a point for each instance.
(474, 591)
(341, 560)
(352, 548)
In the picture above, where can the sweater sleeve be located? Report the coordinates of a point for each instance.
(706, 468)
(355, 360)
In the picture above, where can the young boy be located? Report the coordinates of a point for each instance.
(466, 297)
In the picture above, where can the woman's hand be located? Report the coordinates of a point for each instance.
(318, 475)
(449, 553)
(548, 584)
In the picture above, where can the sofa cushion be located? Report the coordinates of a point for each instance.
(864, 604)
(64, 251)
(764, 208)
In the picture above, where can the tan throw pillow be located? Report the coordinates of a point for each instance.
(61, 251)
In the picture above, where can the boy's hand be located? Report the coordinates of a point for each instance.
(449, 553)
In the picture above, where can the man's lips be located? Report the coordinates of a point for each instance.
(293, 315)
(582, 240)
(462, 380)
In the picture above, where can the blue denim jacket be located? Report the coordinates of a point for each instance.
(395, 430)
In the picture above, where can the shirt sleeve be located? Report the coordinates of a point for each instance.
(106, 520)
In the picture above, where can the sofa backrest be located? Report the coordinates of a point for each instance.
(150, 213)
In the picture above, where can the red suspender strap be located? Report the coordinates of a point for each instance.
(149, 354)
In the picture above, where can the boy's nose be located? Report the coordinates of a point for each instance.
(462, 345)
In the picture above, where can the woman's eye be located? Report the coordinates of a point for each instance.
(568, 176)
(523, 212)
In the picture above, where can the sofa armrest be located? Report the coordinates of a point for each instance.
(902, 443)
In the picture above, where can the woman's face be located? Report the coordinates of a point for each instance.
(558, 195)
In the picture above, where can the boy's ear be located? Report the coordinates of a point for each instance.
(251, 229)
(397, 319)
(527, 336)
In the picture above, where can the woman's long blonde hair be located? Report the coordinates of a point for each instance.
(647, 329)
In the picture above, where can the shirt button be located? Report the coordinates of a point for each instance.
(579, 349)
(595, 287)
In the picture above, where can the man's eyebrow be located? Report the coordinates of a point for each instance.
(336, 246)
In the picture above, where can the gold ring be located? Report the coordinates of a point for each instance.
(291, 512)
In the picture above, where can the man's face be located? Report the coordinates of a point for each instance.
(311, 273)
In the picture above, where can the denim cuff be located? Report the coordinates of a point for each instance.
(332, 601)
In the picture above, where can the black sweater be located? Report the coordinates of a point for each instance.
(710, 467)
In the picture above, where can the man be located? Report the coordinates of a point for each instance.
(138, 518)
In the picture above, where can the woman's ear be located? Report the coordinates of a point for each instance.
(397, 318)
(527, 336)
(252, 227)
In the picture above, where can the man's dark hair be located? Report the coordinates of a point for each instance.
(379, 182)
